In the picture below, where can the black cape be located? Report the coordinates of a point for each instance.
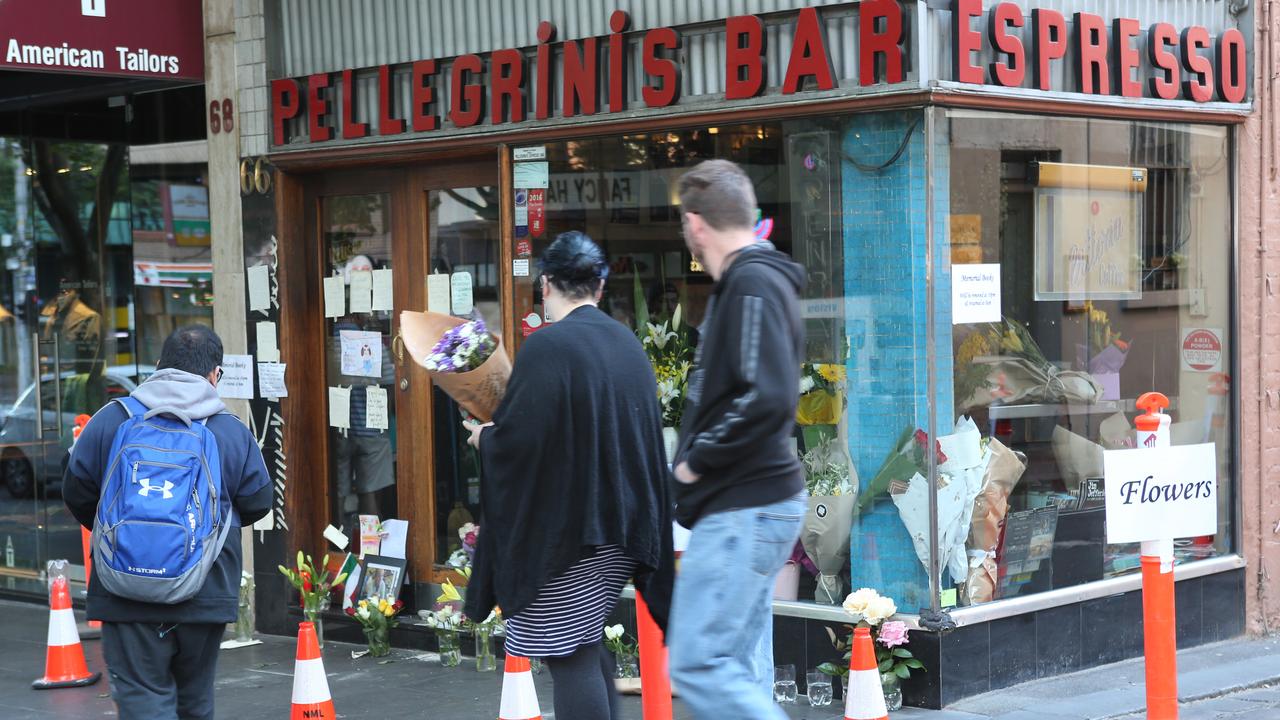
(574, 459)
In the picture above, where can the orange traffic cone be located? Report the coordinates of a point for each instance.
(519, 699)
(865, 699)
(64, 664)
(311, 698)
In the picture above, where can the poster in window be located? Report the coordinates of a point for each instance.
(1088, 244)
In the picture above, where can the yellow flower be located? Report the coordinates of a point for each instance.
(388, 611)
(383, 605)
(448, 593)
(364, 603)
(831, 372)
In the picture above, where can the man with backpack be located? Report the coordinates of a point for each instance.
(165, 478)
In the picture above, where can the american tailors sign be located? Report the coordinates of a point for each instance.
(1108, 57)
(123, 38)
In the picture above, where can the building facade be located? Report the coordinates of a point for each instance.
(1016, 218)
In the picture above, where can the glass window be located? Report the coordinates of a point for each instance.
(1111, 246)
(843, 196)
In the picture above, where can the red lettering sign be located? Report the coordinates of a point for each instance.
(286, 101)
(744, 57)
(580, 79)
(537, 211)
(388, 124)
(506, 78)
(1049, 44)
(965, 41)
(666, 90)
(546, 34)
(466, 99)
(618, 23)
(1013, 70)
(1198, 82)
(881, 32)
(808, 55)
(318, 108)
(350, 128)
(1123, 31)
(1233, 57)
(424, 95)
(1162, 46)
(1091, 73)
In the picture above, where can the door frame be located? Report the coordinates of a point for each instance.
(308, 497)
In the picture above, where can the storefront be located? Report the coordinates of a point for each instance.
(1015, 220)
(104, 237)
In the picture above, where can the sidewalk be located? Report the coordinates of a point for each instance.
(256, 682)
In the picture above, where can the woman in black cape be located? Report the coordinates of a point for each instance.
(574, 492)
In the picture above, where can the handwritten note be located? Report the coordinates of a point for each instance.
(438, 294)
(271, 380)
(259, 288)
(340, 407)
(361, 291)
(335, 297)
(237, 377)
(268, 351)
(383, 297)
(462, 293)
(361, 353)
(376, 413)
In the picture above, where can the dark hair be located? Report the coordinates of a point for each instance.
(574, 264)
(196, 349)
(721, 193)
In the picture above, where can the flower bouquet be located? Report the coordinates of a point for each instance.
(447, 620)
(376, 617)
(465, 360)
(821, 394)
(462, 558)
(314, 583)
(870, 609)
(833, 496)
(1003, 364)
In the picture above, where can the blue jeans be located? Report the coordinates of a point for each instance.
(721, 629)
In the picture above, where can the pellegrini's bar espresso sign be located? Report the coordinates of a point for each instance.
(589, 76)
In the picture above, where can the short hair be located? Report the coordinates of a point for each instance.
(720, 193)
(575, 264)
(196, 349)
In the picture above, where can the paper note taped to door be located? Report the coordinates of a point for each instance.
(361, 353)
(335, 297)
(383, 297)
(259, 288)
(361, 291)
(376, 413)
(237, 377)
(271, 380)
(268, 351)
(438, 293)
(462, 293)
(531, 175)
(340, 407)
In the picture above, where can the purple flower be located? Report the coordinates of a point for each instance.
(892, 634)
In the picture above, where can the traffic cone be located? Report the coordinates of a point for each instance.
(865, 699)
(311, 698)
(64, 664)
(519, 699)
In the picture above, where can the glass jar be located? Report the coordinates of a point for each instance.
(892, 691)
(244, 622)
(450, 651)
(485, 658)
(379, 639)
(313, 609)
(626, 664)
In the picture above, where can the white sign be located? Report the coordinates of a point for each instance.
(1161, 493)
(376, 414)
(975, 294)
(383, 290)
(1202, 350)
(462, 293)
(268, 351)
(438, 293)
(259, 288)
(536, 152)
(362, 291)
(237, 377)
(335, 297)
(271, 380)
(520, 268)
(340, 407)
(531, 175)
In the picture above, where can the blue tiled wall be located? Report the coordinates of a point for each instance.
(886, 319)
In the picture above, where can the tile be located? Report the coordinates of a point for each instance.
(1224, 604)
(1058, 641)
(1013, 650)
(1189, 603)
(1111, 629)
(924, 689)
(965, 664)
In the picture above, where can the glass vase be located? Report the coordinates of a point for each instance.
(244, 622)
(892, 692)
(313, 609)
(626, 665)
(379, 639)
(450, 651)
(485, 659)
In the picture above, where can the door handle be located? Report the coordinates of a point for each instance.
(397, 348)
(35, 351)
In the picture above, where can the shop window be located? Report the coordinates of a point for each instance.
(1112, 247)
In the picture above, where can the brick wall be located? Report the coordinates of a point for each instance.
(251, 77)
(884, 212)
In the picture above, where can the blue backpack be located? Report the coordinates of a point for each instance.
(159, 526)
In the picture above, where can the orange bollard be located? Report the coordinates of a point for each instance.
(655, 680)
(1160, 639)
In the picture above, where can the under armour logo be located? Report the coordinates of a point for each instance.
(147, 487)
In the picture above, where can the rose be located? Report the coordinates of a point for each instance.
(351, 612)
(892, 634)
(879, 610)
(613, 632)
(470, 539)
(306, 581)
(856, 603)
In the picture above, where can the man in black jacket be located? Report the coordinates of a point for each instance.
(161, 658)
(740, 485)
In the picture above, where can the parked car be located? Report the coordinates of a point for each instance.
(28, 462)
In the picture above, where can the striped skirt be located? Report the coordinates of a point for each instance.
(571, 608)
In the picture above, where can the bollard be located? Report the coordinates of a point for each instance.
(1159, 628)
(655, 681)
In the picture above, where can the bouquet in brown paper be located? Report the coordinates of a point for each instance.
(989, 509)
(464, 359)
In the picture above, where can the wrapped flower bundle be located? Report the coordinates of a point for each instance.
(464, 359)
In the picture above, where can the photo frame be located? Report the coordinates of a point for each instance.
(381, 577)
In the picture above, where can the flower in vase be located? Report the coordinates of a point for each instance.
(893, 634)
(856, 603)
(879, 610)
(613, 632)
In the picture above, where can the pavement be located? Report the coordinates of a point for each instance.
(1239, 680)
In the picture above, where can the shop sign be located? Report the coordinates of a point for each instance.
(133, 38)
(1107, 56)
(501, 86)
(1087, 239)
(975, 294)
(1161, 493)
(1202, 350)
